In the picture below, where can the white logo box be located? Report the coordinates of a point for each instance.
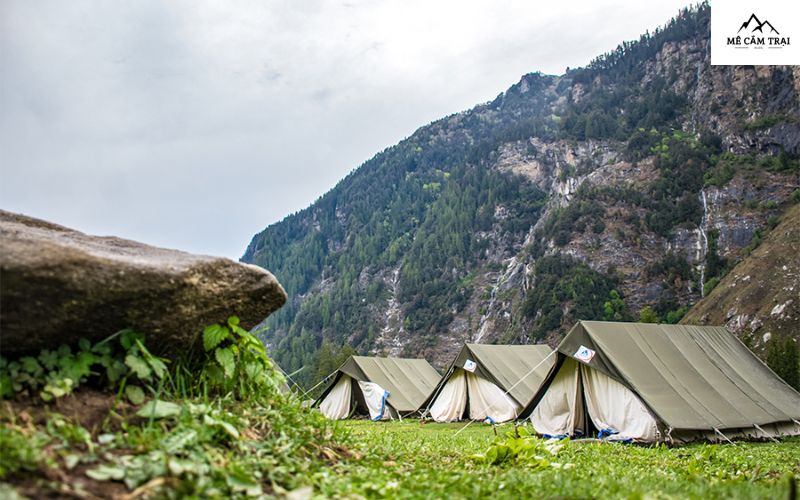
(766, 32)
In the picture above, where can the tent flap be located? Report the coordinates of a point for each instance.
(336, 404)
(560, 411)
(452, 399)
(375, 398)
(615, 410)
(489, 402)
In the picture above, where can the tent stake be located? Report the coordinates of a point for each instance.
(765, 432)
(724, 436)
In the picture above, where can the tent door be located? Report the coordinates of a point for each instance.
(359, 404)
(488, 401)
(560, 412)
(614, 408)
(586, 427)
(338, 403)
(451, 401)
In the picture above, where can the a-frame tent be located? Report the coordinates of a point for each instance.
(489, 382)
(650, 383)
(380, 388)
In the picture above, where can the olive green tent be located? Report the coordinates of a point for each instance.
(648, 382)
(489, 382)
(378, 387)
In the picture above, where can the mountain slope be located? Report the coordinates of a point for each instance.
(616, 188)
(760, 297)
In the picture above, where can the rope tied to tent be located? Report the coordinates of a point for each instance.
(490, 407)
(289, 377)
(318, 384)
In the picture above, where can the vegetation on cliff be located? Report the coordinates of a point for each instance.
(632, 176)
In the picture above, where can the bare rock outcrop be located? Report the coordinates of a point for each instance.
(760, 297)
(58, 285)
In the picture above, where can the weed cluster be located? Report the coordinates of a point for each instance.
(57, 373)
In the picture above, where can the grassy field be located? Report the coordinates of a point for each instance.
(112, 420)
(412, 460)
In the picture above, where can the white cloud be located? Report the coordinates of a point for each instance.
(195, 124)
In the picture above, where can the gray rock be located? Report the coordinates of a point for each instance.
(58, 285)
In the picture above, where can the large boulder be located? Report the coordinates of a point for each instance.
(58, 285)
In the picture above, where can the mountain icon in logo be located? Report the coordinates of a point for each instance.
(759, 25)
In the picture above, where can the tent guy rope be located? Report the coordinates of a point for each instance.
(509, 389)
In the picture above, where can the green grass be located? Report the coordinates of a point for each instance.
(219, 427)
(212, 426)
(225, 448)
(411, 460)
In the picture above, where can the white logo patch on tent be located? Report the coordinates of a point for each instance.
(584, 354)
(470, 365)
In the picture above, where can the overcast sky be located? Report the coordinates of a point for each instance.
(195, 124)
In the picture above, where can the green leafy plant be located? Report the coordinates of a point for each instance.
(242, 437)
(142, 364)
(237, 361)
(520, 447)
(19, 451)
(56, 373)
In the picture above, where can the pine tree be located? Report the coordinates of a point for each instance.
(615, 308)
(791, 359)
(783, 358)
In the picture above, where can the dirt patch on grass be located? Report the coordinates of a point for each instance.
(62, 483)
(95, 411)
(89, 408)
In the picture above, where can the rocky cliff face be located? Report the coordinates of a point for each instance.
(760, 297)
(629, 185)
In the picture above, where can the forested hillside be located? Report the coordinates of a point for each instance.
(623, 190)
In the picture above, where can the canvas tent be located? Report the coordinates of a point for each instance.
(489, 382)
(648, 383)
(381, 388)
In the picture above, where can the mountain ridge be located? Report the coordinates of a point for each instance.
(613, 191)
